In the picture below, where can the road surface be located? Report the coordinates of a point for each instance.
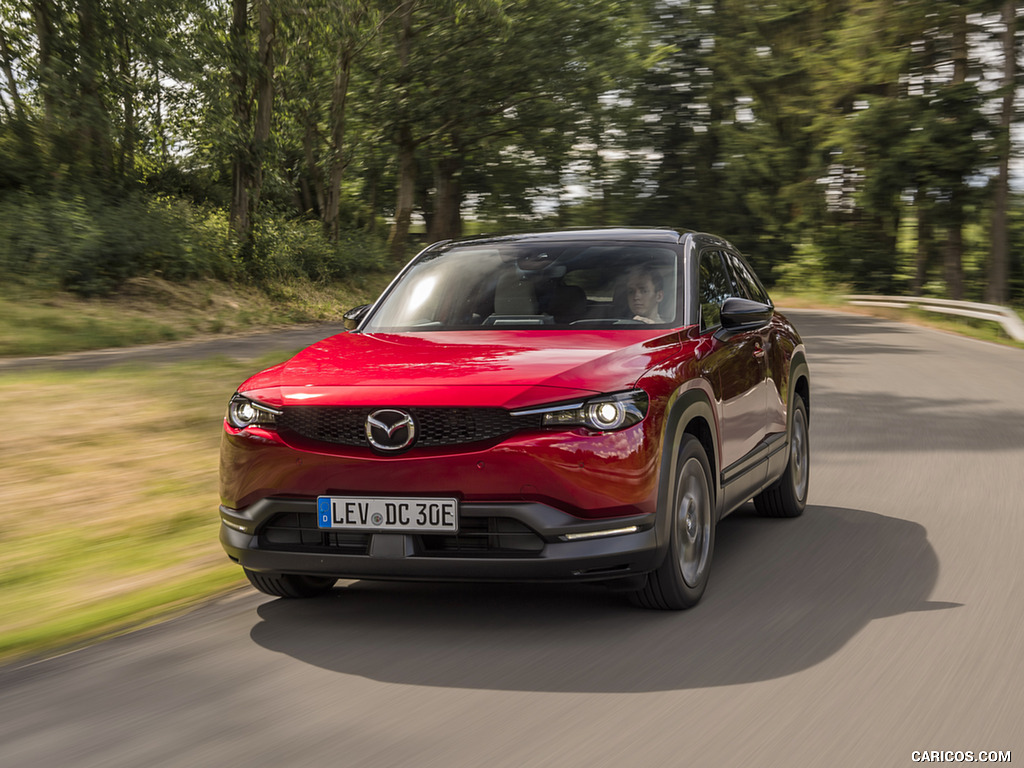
(886, 621)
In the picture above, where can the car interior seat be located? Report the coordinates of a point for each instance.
(514, 295)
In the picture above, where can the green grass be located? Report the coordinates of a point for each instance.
(108, 500)
(108, 479)
(149, 310)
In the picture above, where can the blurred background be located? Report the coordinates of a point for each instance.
(855, 143)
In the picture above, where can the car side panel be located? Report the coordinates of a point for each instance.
(781, 340)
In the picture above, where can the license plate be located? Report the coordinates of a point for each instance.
(373, 513)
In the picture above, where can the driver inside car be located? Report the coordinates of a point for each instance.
(645, 289)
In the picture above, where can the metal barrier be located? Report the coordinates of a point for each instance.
(1006, 317)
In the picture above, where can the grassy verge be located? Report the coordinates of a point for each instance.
(150, 310)
(984, 330)
(108, 499)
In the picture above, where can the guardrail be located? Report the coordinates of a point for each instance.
(1006, 317)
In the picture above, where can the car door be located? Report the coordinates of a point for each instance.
(737, 361)
(775, 405)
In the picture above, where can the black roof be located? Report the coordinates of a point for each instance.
(633, 234)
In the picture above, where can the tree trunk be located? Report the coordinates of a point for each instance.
(158, 117)
(44, 34)
(406, 194)
(312, 181)
(406, 144)
(94, 130)
(925, 234)
(22, 128)
(955, 250)
(6, 58)
(264, 101)
(954, 233)
(996, 290)
(373, 172)
(127, 155)
(241, 172)
(447, 220)
(339, 98)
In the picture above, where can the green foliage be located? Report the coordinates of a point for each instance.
(91, 246)
(791, 127)
(807, 272)
(284, 249)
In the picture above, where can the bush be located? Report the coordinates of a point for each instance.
(806, 272)
(283, 249)
(91, 246)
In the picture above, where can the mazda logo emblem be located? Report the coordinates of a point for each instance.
(390, 430)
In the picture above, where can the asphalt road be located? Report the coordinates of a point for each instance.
(887, 620)
(246, 347)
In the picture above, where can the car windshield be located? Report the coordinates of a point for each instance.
(529, 284)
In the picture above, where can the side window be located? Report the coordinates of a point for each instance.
(746, 281)
(714, 288)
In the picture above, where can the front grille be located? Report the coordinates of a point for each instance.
(435, 427)
(485, 536)
(477, 537)
(298, 532)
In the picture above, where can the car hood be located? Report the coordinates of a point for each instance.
(480, 368)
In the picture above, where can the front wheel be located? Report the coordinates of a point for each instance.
(680, 580)
(787, 496)
(289, 584)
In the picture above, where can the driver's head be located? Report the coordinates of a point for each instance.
(645, 288)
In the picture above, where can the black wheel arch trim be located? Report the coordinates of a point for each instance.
(682, 411)
(798, 369)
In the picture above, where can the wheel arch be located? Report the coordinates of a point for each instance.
(800, 378)
(690, 413)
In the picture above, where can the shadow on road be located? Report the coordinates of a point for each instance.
(784, 595)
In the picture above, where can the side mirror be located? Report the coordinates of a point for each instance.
(745, 315)
(353, 317)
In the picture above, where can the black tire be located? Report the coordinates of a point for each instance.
(289, 584)
(680, 580)
(787, 496)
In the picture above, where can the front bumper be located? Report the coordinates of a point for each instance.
(521, 541)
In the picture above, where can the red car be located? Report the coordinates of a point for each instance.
(579, 406)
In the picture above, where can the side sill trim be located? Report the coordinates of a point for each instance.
(756, 459)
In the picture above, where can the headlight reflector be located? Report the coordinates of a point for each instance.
(243, 412)
(605, 413)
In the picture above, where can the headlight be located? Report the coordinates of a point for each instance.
(606, 413)
(243, 412)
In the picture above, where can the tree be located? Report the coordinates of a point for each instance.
(996, 291)
(253, 135)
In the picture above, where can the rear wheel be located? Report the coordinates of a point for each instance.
(289, 584)
(787, 496)
(682, 577)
